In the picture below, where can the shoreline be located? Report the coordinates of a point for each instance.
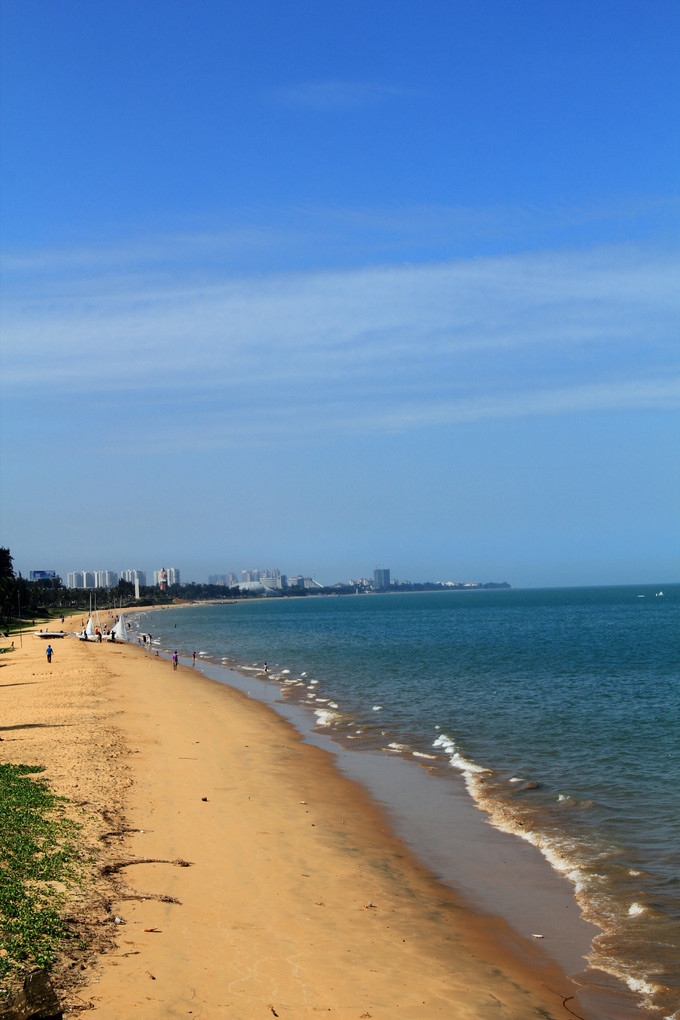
(190, 769)
(492, 869)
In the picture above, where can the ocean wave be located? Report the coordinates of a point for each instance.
(457, 760)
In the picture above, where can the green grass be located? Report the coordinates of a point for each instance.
(38, 854)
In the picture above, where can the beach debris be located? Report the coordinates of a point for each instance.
(370, 906)
(204, 798)
(273, 1011)
(161, 897)
(118, 920)
(534, 936)
(149, 974)
(112, 869)
(152, 929)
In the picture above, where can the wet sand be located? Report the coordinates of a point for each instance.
(298, 899)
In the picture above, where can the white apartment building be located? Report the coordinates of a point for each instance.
(135, 575)
(105, 578)
(92, 579)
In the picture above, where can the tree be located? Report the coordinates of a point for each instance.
(124, 589)
(6, 567)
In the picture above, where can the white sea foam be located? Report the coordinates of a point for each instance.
(377, 708)
(472, 772)
(333, 704)
(285, 671)
(457, 760)
(421, 754)
(636, 908)
(394, 746)
(641, 986)
(324, 717)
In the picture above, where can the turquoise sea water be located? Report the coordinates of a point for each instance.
(558, 708)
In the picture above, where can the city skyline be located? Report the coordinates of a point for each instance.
(337, 286)
(380, 578)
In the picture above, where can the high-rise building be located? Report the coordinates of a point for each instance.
(105, 578)
(381, 578)
(135, 575)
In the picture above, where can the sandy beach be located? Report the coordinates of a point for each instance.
(235, 872)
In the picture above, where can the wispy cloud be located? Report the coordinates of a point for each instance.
(375, 348)
(336, 95)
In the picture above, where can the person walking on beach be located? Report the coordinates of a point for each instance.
(175, 660)
(48, 652)
(194, 663)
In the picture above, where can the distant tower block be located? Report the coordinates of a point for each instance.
(136, 587)
(381, 578)
(163, 580)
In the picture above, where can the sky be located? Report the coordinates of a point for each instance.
(326, 286)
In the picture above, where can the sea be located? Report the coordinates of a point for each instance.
(553, 713)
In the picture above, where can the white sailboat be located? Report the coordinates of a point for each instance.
(118, 632)
(90, 631)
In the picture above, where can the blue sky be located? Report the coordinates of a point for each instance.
(326, 286)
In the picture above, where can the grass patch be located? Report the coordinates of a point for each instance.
(38, 854)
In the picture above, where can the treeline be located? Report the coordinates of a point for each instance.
(21, 600)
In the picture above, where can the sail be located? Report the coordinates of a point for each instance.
(119, 629)
(89, 630)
